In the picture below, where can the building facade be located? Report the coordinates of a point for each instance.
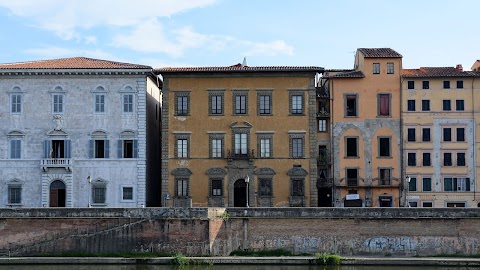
(74, 133)
(440, 117)
(239, 136)
(366, 130)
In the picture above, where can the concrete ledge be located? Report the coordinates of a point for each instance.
(304, 260)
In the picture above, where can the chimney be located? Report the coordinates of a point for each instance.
(459, 67)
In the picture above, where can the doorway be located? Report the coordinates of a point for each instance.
(325, 197)
(57, 194)
(240, 193)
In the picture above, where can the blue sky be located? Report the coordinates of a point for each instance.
(163, 33)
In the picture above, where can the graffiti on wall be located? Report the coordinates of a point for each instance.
(391, 244)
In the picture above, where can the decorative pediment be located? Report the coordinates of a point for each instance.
(99, 133)
(216, 172)
(17, 133)
(297, 171)
(182, 172)
(264, 171)
(128, 134)
(54, 132)
(243, 124)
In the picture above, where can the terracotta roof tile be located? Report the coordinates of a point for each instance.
(348, 74)
(72, 63)
(379, 53)
(425, 72)
(238, 68)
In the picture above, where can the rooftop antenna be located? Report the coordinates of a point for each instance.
(244, 64)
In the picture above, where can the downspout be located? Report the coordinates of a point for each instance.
(403, 186)
(332, 152)
(474, 141)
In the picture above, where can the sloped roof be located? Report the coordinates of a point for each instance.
(239, 68)
(425, 72)
(72, 63)
(348, 74)
(379, 53)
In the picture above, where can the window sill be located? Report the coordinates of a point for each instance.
(181, 115)
(350, 116)
(351, 157)
(384, 116)
(385, 157)
(297, 157)
(14, 204)
(265, 114)
(216, 114)
(296, 114)
(98, 205)
(240, 114)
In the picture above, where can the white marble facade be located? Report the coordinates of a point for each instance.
(73, 139)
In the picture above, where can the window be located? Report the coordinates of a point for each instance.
(384, 177)
(447, 159)
(99, 148)
(426, 159)
(412, 185)
(240, 104)
(352, 177)
(351, 147)
(411, 134)
(412, 159)
(16, 103)
(460, 159)
(58, 103)
(297, 187)
(265, 187)
(216, 187)
(411, 84)
(426, 134)
(376, 68)
(427, 184)
(447, 106)
(265, 104)
(297, 147)
(297, 107)
(425, 105)
(14, 194)
(215, 100)
(384, 147)
(447, 134)
(265, 148)
(350, 105)
(427, 204)
(456, 184)
(127, 193)
(182, 105)
(15, 149)
(182, 187)
(99, 103)
(57, 148)
(460, 134)
(459, 84)
(425, 84)
(128, 148)
(383, 104)
(127, 103)
(460, 105)
(322, 125)
(217, 148)
(446, 84)
(182, 148)
(411, 105)
(98, 193)
(390, 69)
(241, 144)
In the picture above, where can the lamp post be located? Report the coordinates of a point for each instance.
(247, 180)
(89, 179)
(407, 180)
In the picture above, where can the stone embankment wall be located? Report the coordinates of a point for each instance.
(218, 231)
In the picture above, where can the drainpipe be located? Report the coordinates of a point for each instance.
(474, 142)
(403, 188)
(332, 152)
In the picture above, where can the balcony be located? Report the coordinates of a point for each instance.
(232, 154)
(323, 158)
(352, 182)
(56, 163)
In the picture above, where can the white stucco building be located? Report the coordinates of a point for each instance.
(74, 133)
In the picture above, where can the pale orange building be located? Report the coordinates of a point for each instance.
(366, 130)
(239, 136)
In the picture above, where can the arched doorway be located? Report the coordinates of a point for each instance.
(240, 193)
(57, 194)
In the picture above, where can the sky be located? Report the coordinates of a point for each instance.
(180, 33)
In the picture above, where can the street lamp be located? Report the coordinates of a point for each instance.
(407, 180)
(247, 180)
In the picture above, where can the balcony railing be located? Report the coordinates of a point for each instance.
(56, 163)
(323, 157)
(232, 154)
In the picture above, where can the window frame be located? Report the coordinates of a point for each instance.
(16, 102)
(264, 152)
(446, 134)
(447, 159)
(14, 196)
(322, 125)
(424, 184)
(461, 159)
(412, 185)
(411, 105)
(460, 136)
(388, 98)
(411, 134)
(58, 107)
(459, 84)
(410, 85)
(411, 162)
(219, 96)
(389, 140)
(425, 84)
(460, 105)
(128, 101)
(213, 139)
(97, 187)
(446, 105)
(376, 68)
(347, 97)
(297, 145)
(264, 107)
(347, 138)
(429, 155)
(446, 84)
(425, 105)
(240, 107)
(123, 188)
(390, 68)
(425, 137)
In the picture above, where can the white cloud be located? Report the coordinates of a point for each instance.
(49, 52)
(273, 48)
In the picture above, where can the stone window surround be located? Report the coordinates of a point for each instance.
(182, 174)
(300, 134)
(389, 145)
(127, 90)
(345, 95)
(15, 183)
(267, 174)
(345, 144)
(181, 93)
(431, 182)
(99, 90)
(411, 152)
(216, 92)
(296, 92)
(182, 136)
(389, 105)
(264, 135)
(297, 173)
(99, 183)
(385, 168)
(454, 157)
(264, 92)
(15, 135)
(241, 130)
(16, 90)
(133, 193)
(216, 135)
(239, 92)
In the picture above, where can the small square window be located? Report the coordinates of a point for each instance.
(127, 193)
(459, 84)
(411, 84)
(425, 105)
(460, 105)
(447, 105)
(446, 84)
(411, 105)
(425, 84)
